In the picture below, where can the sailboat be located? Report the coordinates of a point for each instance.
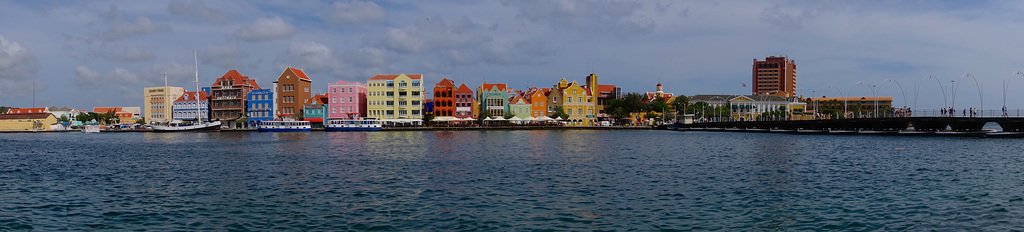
(199, 124)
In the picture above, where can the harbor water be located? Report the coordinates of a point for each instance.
(508, 180)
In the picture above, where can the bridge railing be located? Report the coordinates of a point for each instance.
(966, 113)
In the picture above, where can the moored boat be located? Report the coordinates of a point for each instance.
(184, 127)
(284, 126)
(365, 124)
(90, 128)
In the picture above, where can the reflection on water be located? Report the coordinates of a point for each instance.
(507, 180)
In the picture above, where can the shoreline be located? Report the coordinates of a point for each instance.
(502, 128)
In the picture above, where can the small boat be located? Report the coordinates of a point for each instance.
(977, 133)
(1004, 134)
(830, 131)
(284, 126)
(758, 130)
(213, 126)
(876, 132)
(91, 128)
(366, 124)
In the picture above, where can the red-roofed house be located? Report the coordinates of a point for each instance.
(228, 100)
(315, 109)
(291, 89)
(668, 97)
(463, 102)
(444, 98)
(493, 99)
(188, 108)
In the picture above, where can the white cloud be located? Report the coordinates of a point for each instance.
(227, 56)
(265, 29)
(120, 29)
(197, 8)
(355, 12)
(132, 54)
(311, 56)
(432, 35)
(115, 77)
(620, 18)
(18, 69)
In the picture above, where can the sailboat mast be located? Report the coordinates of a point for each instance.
(199, 112)
(164, 104)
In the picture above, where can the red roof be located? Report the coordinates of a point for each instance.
(488, 87)
(445, 83)
(202, 96)
(25, 116)
(464, 89)
(27, 110)
(237, 78)
(317, 99)
(606, 90)
(299, 73)
(520, 98)
(392, 77)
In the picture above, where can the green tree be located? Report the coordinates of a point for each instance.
(4, 109)
(560, 113)
(659, 106)
(140, 121)
(109, 117)
(428, 119)
(680, 103)
(652, 115)
(484, 114)
(64, 118)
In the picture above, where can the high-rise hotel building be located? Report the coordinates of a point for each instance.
(774, 76)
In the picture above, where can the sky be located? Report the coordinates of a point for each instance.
(86, 54)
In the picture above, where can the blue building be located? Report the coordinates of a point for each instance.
(186, 107)
(260, 106)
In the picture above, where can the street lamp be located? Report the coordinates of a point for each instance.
(901, 90)
(874, 92)
(841, 94)
(1006, 84)
(944, 103)
(981, 99)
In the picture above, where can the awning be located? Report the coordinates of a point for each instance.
(314, 120)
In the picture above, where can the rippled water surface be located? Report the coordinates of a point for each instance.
(508, 180)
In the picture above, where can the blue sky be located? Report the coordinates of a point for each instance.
(87, 54)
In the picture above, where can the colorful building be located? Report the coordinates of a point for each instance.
(396, 99)
(292, 88)
(27, 121)
(27, 110)
(578, 103)
(261, 106)
(188, 105)
(228, 99)
(121, 114)
(659, 93)
(444, 98)
(314, 110)
(750, 107)
(348, 100)
(70, 113)
(538, 101)
(493, 99)
(520, 106)
(159, 101)
(463, 102)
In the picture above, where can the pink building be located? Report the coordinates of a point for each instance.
(347, 99)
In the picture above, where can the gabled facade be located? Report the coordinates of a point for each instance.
(158, 102)
(186, 107)
(228, 96)
(314, 109)
(578, 104)
(520, 106)
(659, 93)
(444, 98)
(347, 100)
(70, 113)
(538, 102)
(261, 106)
(395, 98)
(493, 98)
(291, 89)
(463, 102)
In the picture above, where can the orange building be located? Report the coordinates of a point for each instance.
(538, 101)
(774, 76)
(291, 89)
(444, 98)
(28, 110)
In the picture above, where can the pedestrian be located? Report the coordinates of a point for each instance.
(1004, 112)
(943, 112)
(964, 112)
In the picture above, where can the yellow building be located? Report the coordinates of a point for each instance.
(395, 99)
(27, 121)
(158, 102)
(577, 102)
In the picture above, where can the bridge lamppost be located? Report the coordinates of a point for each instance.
(945, 104)
(952, 94)
(841, 94)
(981, 99)
(874, 93)
(901, 90)
(1006, 84)
(715, 108)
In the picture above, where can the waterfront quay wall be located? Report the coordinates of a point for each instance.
(1008, 124)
